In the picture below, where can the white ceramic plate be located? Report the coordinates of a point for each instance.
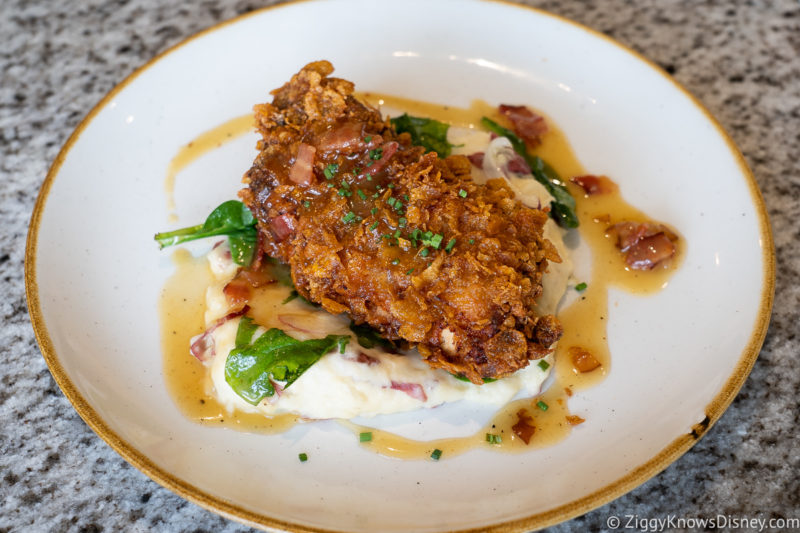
(94, 273)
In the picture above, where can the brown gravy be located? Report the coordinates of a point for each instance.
(584, 321)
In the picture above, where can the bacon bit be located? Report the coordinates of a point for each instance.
(477, 159)
(239, 290)
(527, 124)
(282, 226)
(414, 390)
(302, 171)
(388, 151)
(650, 251)
(595, 184)
(583, 360)
(574, 420)
(645, 244)
(366, 359)
(202, 346)
(524, 428)
(518, 165)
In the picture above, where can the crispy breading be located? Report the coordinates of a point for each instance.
(397, 238)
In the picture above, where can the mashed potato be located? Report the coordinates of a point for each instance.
(369, 382)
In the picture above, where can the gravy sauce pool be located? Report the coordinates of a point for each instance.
(584, 321)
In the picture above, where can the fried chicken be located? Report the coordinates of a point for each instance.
(395, 237)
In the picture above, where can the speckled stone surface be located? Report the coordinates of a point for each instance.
(57, 60)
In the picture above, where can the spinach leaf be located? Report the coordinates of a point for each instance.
(253, 366)
(369, 338)
(426, 132)
(562, 208)
(231, 218)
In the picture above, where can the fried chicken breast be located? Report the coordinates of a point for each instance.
(395, 237)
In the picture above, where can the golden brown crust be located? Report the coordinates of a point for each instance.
(356, 243)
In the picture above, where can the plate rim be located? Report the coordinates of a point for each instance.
(566, 511)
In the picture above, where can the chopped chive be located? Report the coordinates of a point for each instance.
(306, 203)
(343, 343)
(391, 185)
(402, 222)
(373, 210)
(365, 436)
(349, 217)
(405, 197)
(424, 252)
(398, 205)
(544, 365)
(369, 165)
(374, 225)
(361, 194)
(391, 201)
(581, 286)
(330, 185)
(472, 241)
(368, 138)
(436, 240)
(395, 261)
(409, 272)
(450, 244)
(303, 457)
(356, 171)
(437, 454)
(369, 177)
(396, 234)
(493, 439)
(541, 405)
(376, 154)
(462, 193)
(330, 170)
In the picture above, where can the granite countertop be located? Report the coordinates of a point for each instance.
(58, 59)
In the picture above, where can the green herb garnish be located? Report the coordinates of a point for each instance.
(544, 365)
(426, 132)
(562, 208)
(581, 286)
(450, 244)
(303, 457)
(231, 218)
(492, 438)
(436, 455)
(331, 170)
(365, 436)
(541, 405)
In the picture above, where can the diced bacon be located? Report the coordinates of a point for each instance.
(202, 346)
(476, 159)
(302, 171)
(517, 165)
(347, 138)
(415, 390)
(650, 251)
(282, 226)
(645, 244)
(527, 124)
(239, 290)
(524, 428)
(388, 151)
(595, 184)
(366, 359)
